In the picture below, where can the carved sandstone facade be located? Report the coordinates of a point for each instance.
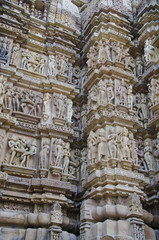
(79, 120)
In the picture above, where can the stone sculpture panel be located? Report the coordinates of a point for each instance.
(32, 61)
(22, 100)
(20, 151)
(5, 49)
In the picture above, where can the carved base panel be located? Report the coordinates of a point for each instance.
(22, 115)
(43, 173)
(113, 162)
(97, 165)
(136, 167)
(109, 107)
(56, 172)
(2, 61)
(109, 229)
(58, 121)
(101, 107)
(18, 171)
(64, 177)
(6, 110)
(105, 62)
(27, 234)
(61, 78)
(122, 108)
(78, 80)
(119, 64)
(72, 180)
(126, 164)
(132, 113)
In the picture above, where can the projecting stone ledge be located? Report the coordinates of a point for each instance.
(18, 171)
(52, 185)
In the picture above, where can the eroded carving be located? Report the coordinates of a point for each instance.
(22, 100)
(46, 106)
(44, 154)
(21, 151)
(15, 54)
(57, 152)
(59, 109)
(148, 155)
(5, 48)
(66, 158)
(32, 61)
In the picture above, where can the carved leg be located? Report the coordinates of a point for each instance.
(12, 157)
(23, 161)
(27, 161)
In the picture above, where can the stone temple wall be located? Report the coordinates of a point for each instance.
(79, 120)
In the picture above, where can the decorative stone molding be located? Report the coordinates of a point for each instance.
(79, 110)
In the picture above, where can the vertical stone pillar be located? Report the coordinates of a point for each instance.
(55, 222)
(45, 12)
(32, 11)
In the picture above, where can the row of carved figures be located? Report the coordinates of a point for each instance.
(106, 50)
(105, 92)
(21, 152)
(32, 9)
(121, 93)
(109, 92)
(5, 47)
(104, 144)
(57, 64)
(22, 100)
(116, 143)
(148, 153)
(35, 62)
(111, 143)
(31, 103)
(119, 143)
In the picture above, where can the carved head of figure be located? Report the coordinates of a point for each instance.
(131, 137)
(125, 131)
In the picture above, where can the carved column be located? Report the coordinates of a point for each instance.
(55, 222)
(32, 10)
(45, 11)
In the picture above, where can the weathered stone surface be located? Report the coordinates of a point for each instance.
(79, 120)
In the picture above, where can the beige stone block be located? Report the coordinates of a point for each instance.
(109, 228)
(121, 211)
(30, 234)
(32, 219)
(97, 212)
(110, 211)
(42, 234)
(11, 233)
(12, 218)
(43, 219)
(122, 228)
(96, 230)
